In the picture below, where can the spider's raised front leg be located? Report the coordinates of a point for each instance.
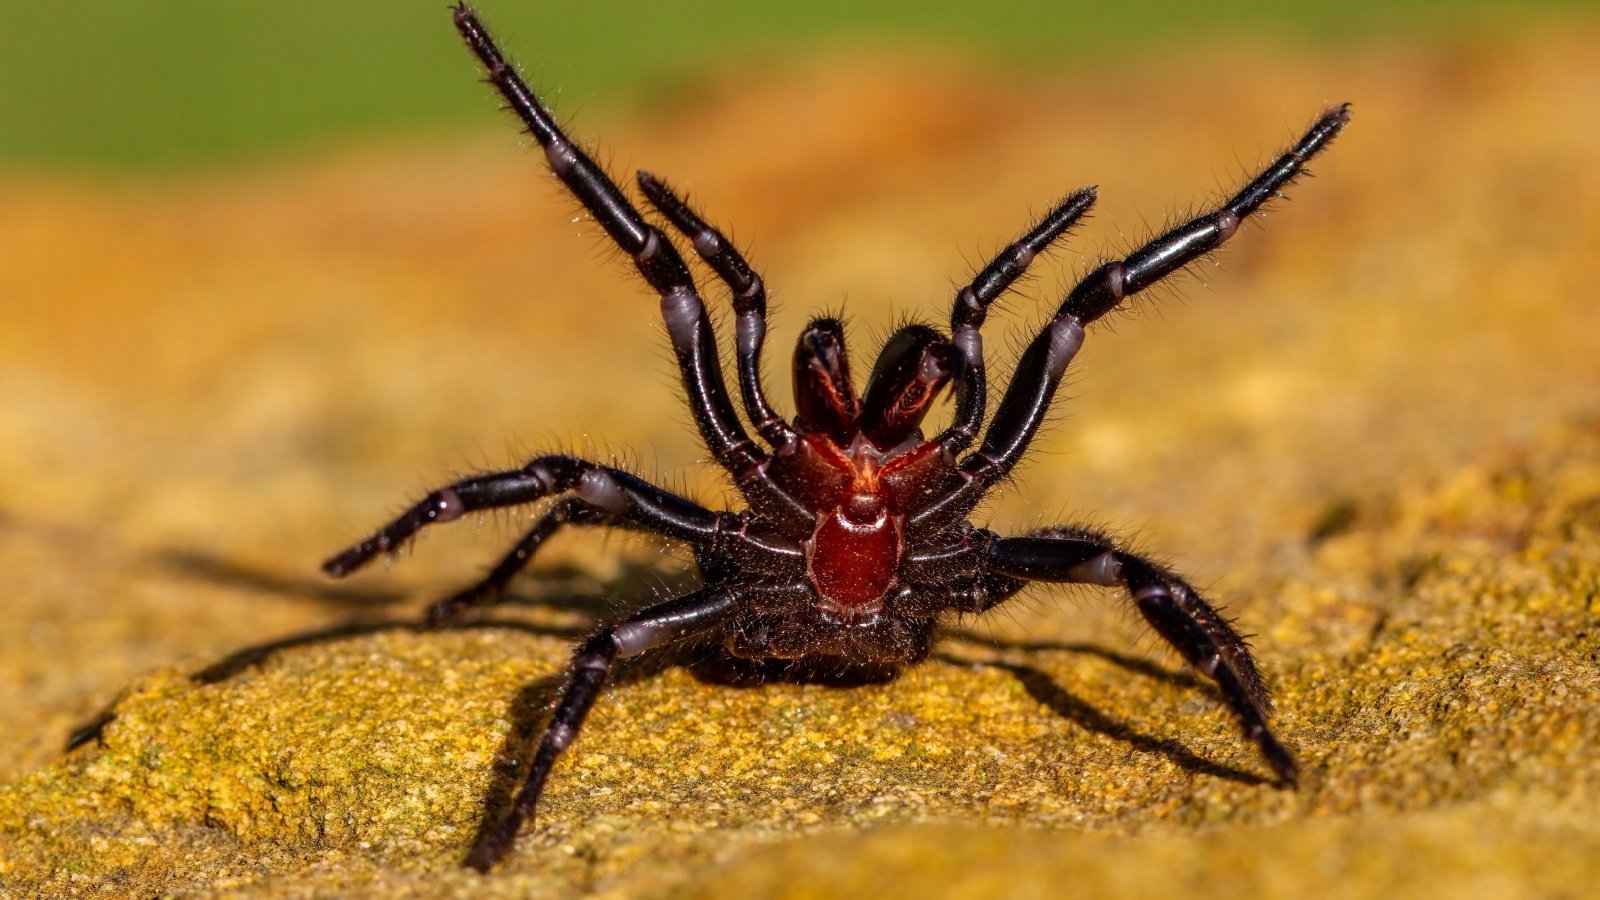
(972, 307)
(659, 625)
(492, 587)
(662, 267)
(1044, 362)
(1174, 609)
(749, 304)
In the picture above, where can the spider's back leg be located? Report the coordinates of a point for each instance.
(665, 623)
(1175, 610)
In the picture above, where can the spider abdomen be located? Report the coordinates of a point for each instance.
(854, 555)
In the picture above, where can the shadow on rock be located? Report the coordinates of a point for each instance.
(1043, 688)
(1177, 677)
(217, 570)
(363, 607)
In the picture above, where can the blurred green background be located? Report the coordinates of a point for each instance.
(160, 84)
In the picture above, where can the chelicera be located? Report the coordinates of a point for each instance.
(855, 543)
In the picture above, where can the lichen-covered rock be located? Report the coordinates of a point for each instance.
(1469, 700)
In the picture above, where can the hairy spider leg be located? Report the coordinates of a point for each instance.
(625, 497)
(1027, 398)
(659, 263)
(492, 587)
(749, 304)
(656, 626)
(1175, 610)
(972, 308)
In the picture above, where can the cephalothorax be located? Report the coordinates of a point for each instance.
(856, 541)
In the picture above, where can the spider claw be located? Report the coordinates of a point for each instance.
(1282, 761)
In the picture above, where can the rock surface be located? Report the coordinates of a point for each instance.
(1375, 439)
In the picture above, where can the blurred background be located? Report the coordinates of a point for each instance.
(162, 87)
(268, 271)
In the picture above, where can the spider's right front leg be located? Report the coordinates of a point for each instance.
(659, 625)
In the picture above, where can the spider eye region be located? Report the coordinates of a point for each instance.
(854, 554)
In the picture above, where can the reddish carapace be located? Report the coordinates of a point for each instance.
(862, 462)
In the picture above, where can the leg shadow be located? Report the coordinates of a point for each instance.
(364, 608)
(1177, 677)
(1044, 689)
(215, 569)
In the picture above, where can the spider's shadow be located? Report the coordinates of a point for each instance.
(704, 659)
(1042, 687)
(365, 612)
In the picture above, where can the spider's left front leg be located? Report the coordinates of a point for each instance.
(972, 308)
(1043, 364)
(1174, 609)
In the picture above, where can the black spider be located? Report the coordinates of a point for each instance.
(856, 543)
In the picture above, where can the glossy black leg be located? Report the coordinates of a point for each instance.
(1016, 420)
(749, 304)
(1107, 286)
(1033, 386)
(659, 263)
(1174, 609)
(615, 492)
(489, 589)
(654, 627)
(972, 307)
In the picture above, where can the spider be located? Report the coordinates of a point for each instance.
(855, 543)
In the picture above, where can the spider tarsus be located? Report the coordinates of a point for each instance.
(349, 560)
(92, 730)
(1283, 763)
(1290, 164)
